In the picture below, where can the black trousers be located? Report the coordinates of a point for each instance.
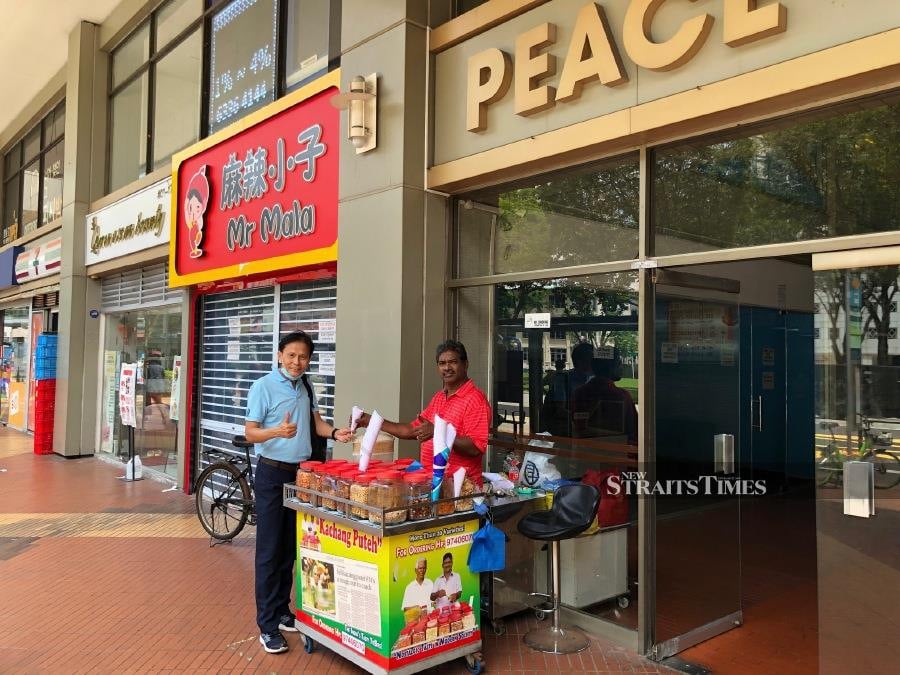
(276, 547)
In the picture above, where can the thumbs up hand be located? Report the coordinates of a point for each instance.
(287, 429)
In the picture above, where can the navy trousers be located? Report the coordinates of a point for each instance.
(276, 547)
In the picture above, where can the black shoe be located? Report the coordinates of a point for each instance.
(288, 623)
(274, 643)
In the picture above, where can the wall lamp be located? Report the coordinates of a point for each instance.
(360, 104)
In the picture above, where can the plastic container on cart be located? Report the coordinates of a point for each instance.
(419, 491)
(359, 492)
(382, 450)
(305, 474)
(387, 491)
(342, 485)
(328, 487)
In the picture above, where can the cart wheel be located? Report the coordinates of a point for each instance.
(623, 601)
(308, 644)
(499, 628)
(474, 664)
(540, 614)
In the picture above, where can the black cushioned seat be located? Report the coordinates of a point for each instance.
(573, 511)
(241, 442)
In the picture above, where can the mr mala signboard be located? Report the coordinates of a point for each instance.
(261, 195)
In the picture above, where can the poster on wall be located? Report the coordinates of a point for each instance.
(37, 326)
(262, 198)
(374, 594)
(175, 396)
(127, 396)
(110, 370)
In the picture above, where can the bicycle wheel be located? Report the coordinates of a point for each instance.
(223, 500)
(828, 471)
(887, 470)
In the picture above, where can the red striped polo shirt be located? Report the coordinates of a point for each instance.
(468, 410)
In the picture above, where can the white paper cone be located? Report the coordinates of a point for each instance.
(364, 458)
(450, 436)
(440, 434)
(355, 414)
(458, 477)
(368, 441)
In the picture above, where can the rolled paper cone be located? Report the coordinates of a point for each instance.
(368, 441)
(459, 476)
(450, 436)
(439, 465)
(355, 414)
(439, 436)
(364, 458)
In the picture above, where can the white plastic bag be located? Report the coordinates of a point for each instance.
(536, 468)
(134, 469)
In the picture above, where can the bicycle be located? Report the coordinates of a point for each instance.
(877, 447)
(874, 446)
(224, 494)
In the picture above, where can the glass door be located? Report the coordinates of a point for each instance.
(857, 417)
(14, 368)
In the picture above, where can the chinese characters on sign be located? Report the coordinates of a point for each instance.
(126, 394)
(263, 199)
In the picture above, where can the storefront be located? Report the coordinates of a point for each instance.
(255, 237)
(26, 312)
(703, 286)
(140, 322)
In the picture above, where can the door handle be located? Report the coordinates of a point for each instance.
(759, 416)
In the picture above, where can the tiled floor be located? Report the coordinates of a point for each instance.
(99, 575)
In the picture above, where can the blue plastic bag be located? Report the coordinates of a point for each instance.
(488, 551)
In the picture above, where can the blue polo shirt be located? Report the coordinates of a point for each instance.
(270, 397)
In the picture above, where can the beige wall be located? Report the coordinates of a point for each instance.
(812, 25)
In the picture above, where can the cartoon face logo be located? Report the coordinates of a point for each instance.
(195, 203)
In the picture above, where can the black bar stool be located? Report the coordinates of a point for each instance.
(573, 511)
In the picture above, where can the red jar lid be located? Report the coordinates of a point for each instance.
(455, 615)
(444, 619)
(417, 477)
(364, 478)
(404, 461)
(310, 466)
(390, 475)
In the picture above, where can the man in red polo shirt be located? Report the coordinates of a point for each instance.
(460, 403)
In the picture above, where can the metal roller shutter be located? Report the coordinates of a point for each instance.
(147, 287)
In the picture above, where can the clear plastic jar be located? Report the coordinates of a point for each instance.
(359, 492)
(419, 494)
(329, 478)
(468, 488)
(445, 508)
(305, 478)
(315, 484)
(342, 488)
(387, 491)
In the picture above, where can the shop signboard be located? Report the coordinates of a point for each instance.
(8, 266)
(40, 261)
(261, 195)
(175, 397)
(373, 594)
(129, 225)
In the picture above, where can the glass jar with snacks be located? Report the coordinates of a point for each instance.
(445, 508)
(359, 492)
(419, 632)
(304, 478)
(456, 623)
(431, 630)
(342, 485)
(419, 491)
(468, 616)
(468, 488)
(387, 491)
(444, 625)
(329, 476)
(315, 484)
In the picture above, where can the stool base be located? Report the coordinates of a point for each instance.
(557, 640)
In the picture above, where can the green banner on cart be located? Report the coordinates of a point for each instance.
(393, 600)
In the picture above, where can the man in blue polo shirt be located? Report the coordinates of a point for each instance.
(278, 422)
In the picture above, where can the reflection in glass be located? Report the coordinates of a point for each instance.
(14, 366)
(31, 183)
(11, 209)
(578, 218)
(313, 34)
(567, 392)
(151, 338)
(131, 54)
(177, 101)
(173, 18)
(810, 179)
(128, 138)
(53, 183)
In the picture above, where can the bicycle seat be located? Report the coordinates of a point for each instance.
(241, 442)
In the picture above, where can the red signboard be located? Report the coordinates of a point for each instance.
(261, 195)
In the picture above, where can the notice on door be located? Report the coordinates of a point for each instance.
(326, 363)
(768, 380)
(328, 331)
(537, 320)
(668, 352)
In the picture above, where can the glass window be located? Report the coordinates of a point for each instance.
(31, 185)
(242, 60)
(578, 218)
(576, 380)
(11, 209)
(53, 184)
(128, 134)
(13, 160)
(832, 175)
(177, 103)
(131, 54)
(151, 338)
(55, 125)
(31, 146)
(313, 38)
(14, 361)
(175, 17)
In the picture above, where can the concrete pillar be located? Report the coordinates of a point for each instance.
(79, 338)
(392, 234)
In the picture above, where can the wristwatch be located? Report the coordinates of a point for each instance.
(333, 432)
